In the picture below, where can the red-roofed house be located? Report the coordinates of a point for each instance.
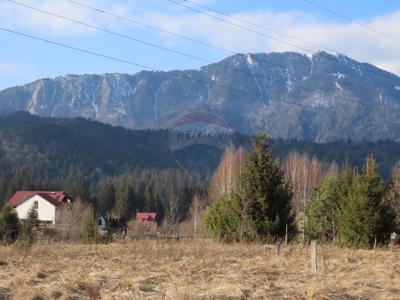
(47, 203)
(146, 219)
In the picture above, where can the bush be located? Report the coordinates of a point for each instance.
(9, 225)
(222, 220)
(26, 234)
(89, 233)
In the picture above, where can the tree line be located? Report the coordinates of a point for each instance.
(259, 198)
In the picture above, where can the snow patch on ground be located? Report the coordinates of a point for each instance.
(338, 75)
(338, 86)
(289, 82)
(397, 87)
(357, 69)
(249, 59)
(381, 98)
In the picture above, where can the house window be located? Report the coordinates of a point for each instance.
(35, 205)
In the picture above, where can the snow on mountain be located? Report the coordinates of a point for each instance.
(290, 95)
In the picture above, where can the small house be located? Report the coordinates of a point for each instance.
(146, 219)
(48, 204)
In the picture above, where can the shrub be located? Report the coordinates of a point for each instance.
(26, 234)
(9, 225)
(222, 220)
(89, 233)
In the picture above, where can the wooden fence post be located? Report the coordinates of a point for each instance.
(314, 256)
(278, 248)
(286, 235)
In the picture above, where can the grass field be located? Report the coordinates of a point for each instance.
(195, 270)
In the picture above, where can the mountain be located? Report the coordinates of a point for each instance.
(320, 98)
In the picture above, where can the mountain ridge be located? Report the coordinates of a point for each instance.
(321, 106)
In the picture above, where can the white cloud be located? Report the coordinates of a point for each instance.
(14, 69)
(16, 16)
(350, 39)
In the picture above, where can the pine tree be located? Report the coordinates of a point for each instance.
(267, 195)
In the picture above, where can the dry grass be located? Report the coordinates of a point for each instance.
(195, 270)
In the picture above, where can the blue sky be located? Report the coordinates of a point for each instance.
(23, 60)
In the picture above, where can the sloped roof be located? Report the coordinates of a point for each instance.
(146, 218)
(56, 198)
(142, 215)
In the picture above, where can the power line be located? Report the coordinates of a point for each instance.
(140, 41)
(168, 49)
(259, 33)
(230, 51)
(240, 26)
(227, 50)
(331, 11)
(179, 75)
(258, 25)
(135, 22)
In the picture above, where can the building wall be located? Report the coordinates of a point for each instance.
(46, 210)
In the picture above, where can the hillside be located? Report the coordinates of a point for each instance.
(49, 147)
(327, 88)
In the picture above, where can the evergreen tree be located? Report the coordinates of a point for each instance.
(322, 209)
(124, 199)
(28, 226)
(363, 215)
(223, 219)
(105, 196)
(89, 233)
(9, 225)
(268, 196)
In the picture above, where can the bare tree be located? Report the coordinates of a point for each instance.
(171, 210)
(72, 219)
(304, 174)
(226, 176)
(393, 193)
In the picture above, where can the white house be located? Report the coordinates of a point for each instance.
(48, 204)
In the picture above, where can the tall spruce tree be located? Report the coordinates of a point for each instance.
(266, 193)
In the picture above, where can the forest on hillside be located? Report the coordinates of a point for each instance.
(102, 164)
